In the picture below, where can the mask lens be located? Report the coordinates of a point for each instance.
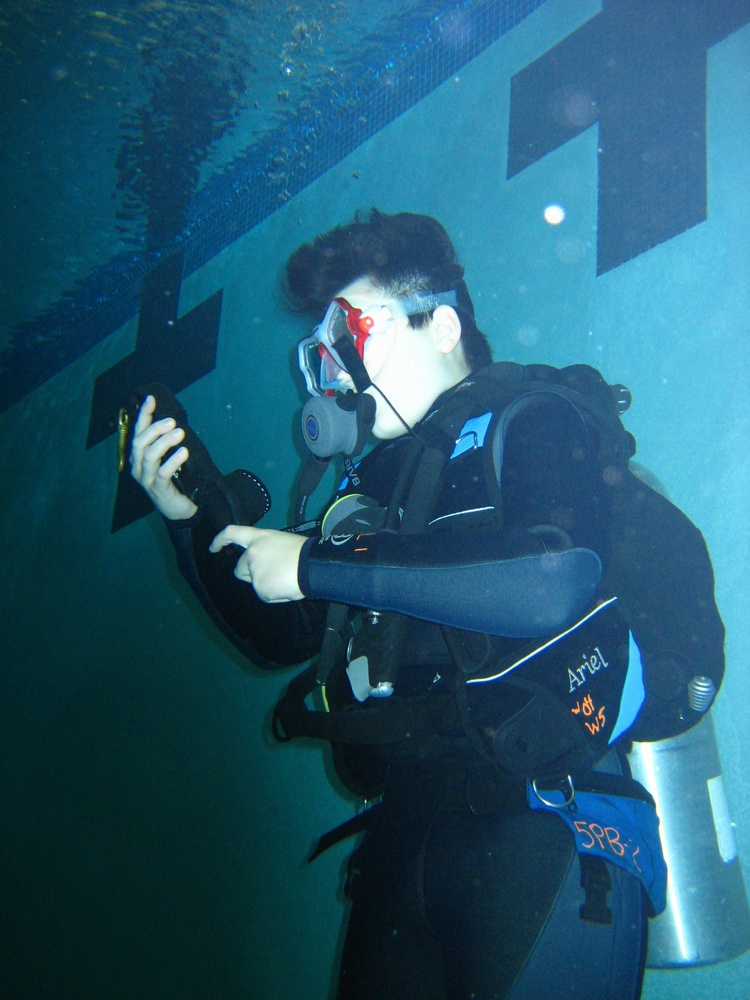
(342, 320)
(318, 357)
(332, 374)
(338, 323)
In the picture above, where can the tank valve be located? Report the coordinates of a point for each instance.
(701, 691)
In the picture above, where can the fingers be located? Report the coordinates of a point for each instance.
(167, 469)
(234, 534)
(151, 443)
(270, 561)
(243, 570)
(150, 466)
(145, 414)
(150, 447)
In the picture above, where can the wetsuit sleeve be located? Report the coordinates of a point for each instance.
(270, 635)
(507, 581)
(473, 582)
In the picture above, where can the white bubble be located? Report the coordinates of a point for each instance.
(571, 251)
(554, 214)
(528, 335)
(573, 106)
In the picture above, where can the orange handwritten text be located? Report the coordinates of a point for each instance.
(597, 718)
(607, 838)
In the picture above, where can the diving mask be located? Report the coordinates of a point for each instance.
(332, 357)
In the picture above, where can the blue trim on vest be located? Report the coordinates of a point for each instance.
(472, 434)
(633, 692)
(621, 830)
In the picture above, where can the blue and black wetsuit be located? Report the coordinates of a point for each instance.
(458, 888)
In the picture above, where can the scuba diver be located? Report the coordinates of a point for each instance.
(472, 632)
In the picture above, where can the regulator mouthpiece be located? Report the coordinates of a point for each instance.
(338, 425)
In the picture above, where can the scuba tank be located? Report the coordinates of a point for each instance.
(707, 919)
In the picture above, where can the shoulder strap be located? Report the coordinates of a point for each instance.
(499, 385)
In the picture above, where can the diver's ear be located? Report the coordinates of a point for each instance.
(446, 327)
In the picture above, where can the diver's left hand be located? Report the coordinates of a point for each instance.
(269, 562)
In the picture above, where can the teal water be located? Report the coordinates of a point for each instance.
(153, 839)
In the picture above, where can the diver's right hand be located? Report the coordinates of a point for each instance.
(151, 442)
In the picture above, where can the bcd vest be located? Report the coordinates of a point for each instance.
(653, 627)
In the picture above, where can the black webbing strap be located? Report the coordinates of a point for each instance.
(596, 882)
(376, 724)
(349, 828)
(333, 641)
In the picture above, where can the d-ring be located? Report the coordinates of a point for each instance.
(556, 805)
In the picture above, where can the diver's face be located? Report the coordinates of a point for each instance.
(400, 360)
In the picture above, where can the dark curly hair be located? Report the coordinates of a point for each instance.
(402, 254)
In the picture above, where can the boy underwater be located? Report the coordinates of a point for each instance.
(476, 540)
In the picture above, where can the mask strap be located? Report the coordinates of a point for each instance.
(344, 348)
